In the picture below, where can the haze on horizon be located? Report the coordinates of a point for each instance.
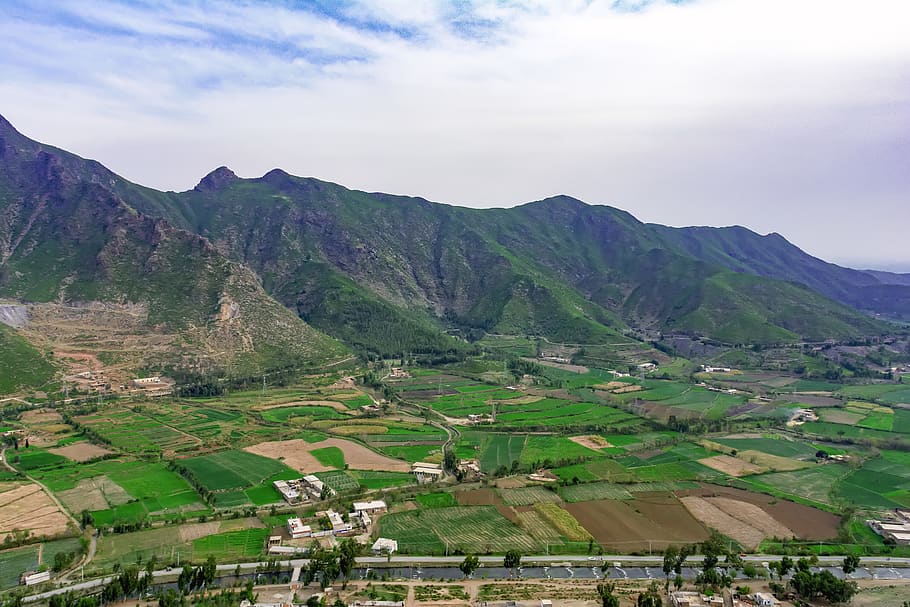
(789, 117)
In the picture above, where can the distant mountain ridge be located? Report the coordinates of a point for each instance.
(391, 274)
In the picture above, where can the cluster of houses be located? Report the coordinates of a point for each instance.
(303, 489)
(697, 599)
(360, 517)
(896, 528)
(710, 369)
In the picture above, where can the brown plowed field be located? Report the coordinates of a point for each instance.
(81, 452)
(296, 454)
(591, 441)
(630, 525)
(29, 507)
(746, 523)
(806, 522)
(730, 465)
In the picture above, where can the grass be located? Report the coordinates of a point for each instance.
(23, 365)
(333, 457)
(812, 484)
(301, 414)
(33, 459)
(774, 446)
(232, 545)
(234, 470)
(435, 500)
(412, 453)
(470, 529)
(541, 448)
(372, 479)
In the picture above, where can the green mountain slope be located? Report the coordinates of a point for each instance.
(68, 236)
(387, 274)
(23, 366)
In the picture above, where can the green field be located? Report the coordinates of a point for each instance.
(527, 496)
(234, 470)
(501, 450)
(333, 457)
(14, 562)
(775, 446)
(33, 459)
(435, 500)
(23, 365)
(594, 491)
(301, 414)
(372, 479)
(470, 529)
(231, 545)
(812, 484)
(541, 448)
(412, 453)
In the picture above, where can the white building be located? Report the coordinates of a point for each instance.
(426, 472)
(30, 579)
(289, 490)
(297, 529)
(370, 507)
(337, 523)
(763, 599)
(385, 546)
(315, 487)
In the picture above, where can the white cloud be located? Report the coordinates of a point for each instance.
(768, 113)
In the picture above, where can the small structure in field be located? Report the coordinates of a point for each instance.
(30, 578)
(399, 373)
(372, 507)
(543, 476)
(764, 599)
(469, 469)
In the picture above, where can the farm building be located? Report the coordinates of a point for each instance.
(337, 523)
(543, 476)
(696, 599)
(385, 545)
(399, 373)
(315, 487)
(297, 529)
(361, 519)
(469, 468)
(370, 507)
(894, 530)
(426, 472)
(764, 599)
(289, 490)
(30, 578)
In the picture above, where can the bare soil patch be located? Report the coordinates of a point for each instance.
(81, 452)
(591, 441)
(358, 457)
(730, 465)
(563, 366)
(478, 497)
(771, 462)
(29, 507)
(841, 416)
(97, 493)
(188, 533)
(295, 453)
(806, 522)
(40, 416)
(629, 525)
(746, 523)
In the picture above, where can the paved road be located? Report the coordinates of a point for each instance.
(558, 567)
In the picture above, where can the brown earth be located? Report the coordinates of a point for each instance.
(563, 366)
(358, 457)
(591, 441)
(651, 520)
(97, 493)
(806, 522)
(730, 465)
(188, 533)
(478, 497)
(511, 482)
(294, 453)
(841, 416)
(81, 452)
(744, 522)
(771, 462)
(29, 507)
(40, 416)
(628, 388)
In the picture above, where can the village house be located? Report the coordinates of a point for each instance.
(426, 472)
(297, 530)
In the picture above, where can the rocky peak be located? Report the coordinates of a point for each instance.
(216, 180)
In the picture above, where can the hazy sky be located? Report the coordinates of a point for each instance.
(781, 115)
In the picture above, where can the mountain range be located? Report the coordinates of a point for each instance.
(282, 270)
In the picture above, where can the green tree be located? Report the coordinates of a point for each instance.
(347, 556)
(605, 592)
(851, 562)
(512, 559)
(209, 569)
(669, 565)
(469, 565)
(650, 598)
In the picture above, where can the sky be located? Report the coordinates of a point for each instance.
(788, 116)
